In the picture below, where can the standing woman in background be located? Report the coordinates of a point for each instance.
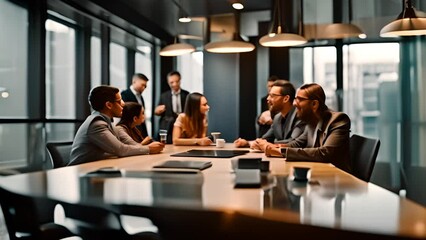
(132, 116)
(190, 127)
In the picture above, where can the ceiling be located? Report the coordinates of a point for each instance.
(214, 7)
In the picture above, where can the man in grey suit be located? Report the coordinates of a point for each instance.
(285, 126)
(326, 136)
(96, 138)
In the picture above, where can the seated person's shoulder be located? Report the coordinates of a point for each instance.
(339, 119)
(340, 116)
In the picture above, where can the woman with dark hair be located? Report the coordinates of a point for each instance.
(132, 116)
(190, 127)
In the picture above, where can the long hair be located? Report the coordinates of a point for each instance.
(315, 92)
(130, 110)
(193, 115)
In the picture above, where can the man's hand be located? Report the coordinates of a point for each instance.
(258, 144)
(155, 147)
(240, 142)
(265, 118)
(160, 109)
(272, 150)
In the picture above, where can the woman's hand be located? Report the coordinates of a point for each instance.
(205, 141)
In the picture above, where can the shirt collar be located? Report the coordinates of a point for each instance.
(175, 93)
(134, 91)
(319, 125)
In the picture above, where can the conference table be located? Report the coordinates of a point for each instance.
(332, 200)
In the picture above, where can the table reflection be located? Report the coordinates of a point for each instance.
(145, 188)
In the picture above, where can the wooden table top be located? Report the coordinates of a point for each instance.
(332, 198)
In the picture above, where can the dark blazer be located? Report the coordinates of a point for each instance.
(284, 132)
(128, 96)
(168, 118)
(330, 145)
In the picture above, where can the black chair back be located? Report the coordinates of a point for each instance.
(363, 153)
(59, 153)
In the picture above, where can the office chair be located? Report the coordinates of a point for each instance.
(363, 154)
(59, 153)
(30, 218)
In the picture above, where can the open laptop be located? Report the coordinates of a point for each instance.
(211, 153)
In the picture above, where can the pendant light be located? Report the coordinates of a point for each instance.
(236, 45)
(276, 38)
(176, 49)
(407, 23)
(344, 30)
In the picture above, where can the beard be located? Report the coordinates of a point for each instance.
(306, 115)
(274, 109)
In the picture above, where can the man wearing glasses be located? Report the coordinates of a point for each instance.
(285, 126)
(96, 138)
(326, 136)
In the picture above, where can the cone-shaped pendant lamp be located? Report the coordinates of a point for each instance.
(344, 30)
(236, 45)
(176, 49)
(407, 23)
(276, 38)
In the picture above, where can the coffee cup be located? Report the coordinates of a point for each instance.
(220, 142)
(301, 173)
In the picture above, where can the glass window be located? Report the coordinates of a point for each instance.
(320, 67)
(143, 64)
(371, 93)
(95, 61)
(31, 146)
(60, 71)
(117, 66)
(13, 60)
(190, 67)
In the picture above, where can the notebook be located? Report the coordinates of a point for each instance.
(211, 153)
(175, 164)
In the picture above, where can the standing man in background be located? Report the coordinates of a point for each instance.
(171, 104)
(134, 94)
(265, 118)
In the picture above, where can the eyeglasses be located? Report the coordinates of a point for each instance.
(301, 99)
(117, 101)
(272, 95)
